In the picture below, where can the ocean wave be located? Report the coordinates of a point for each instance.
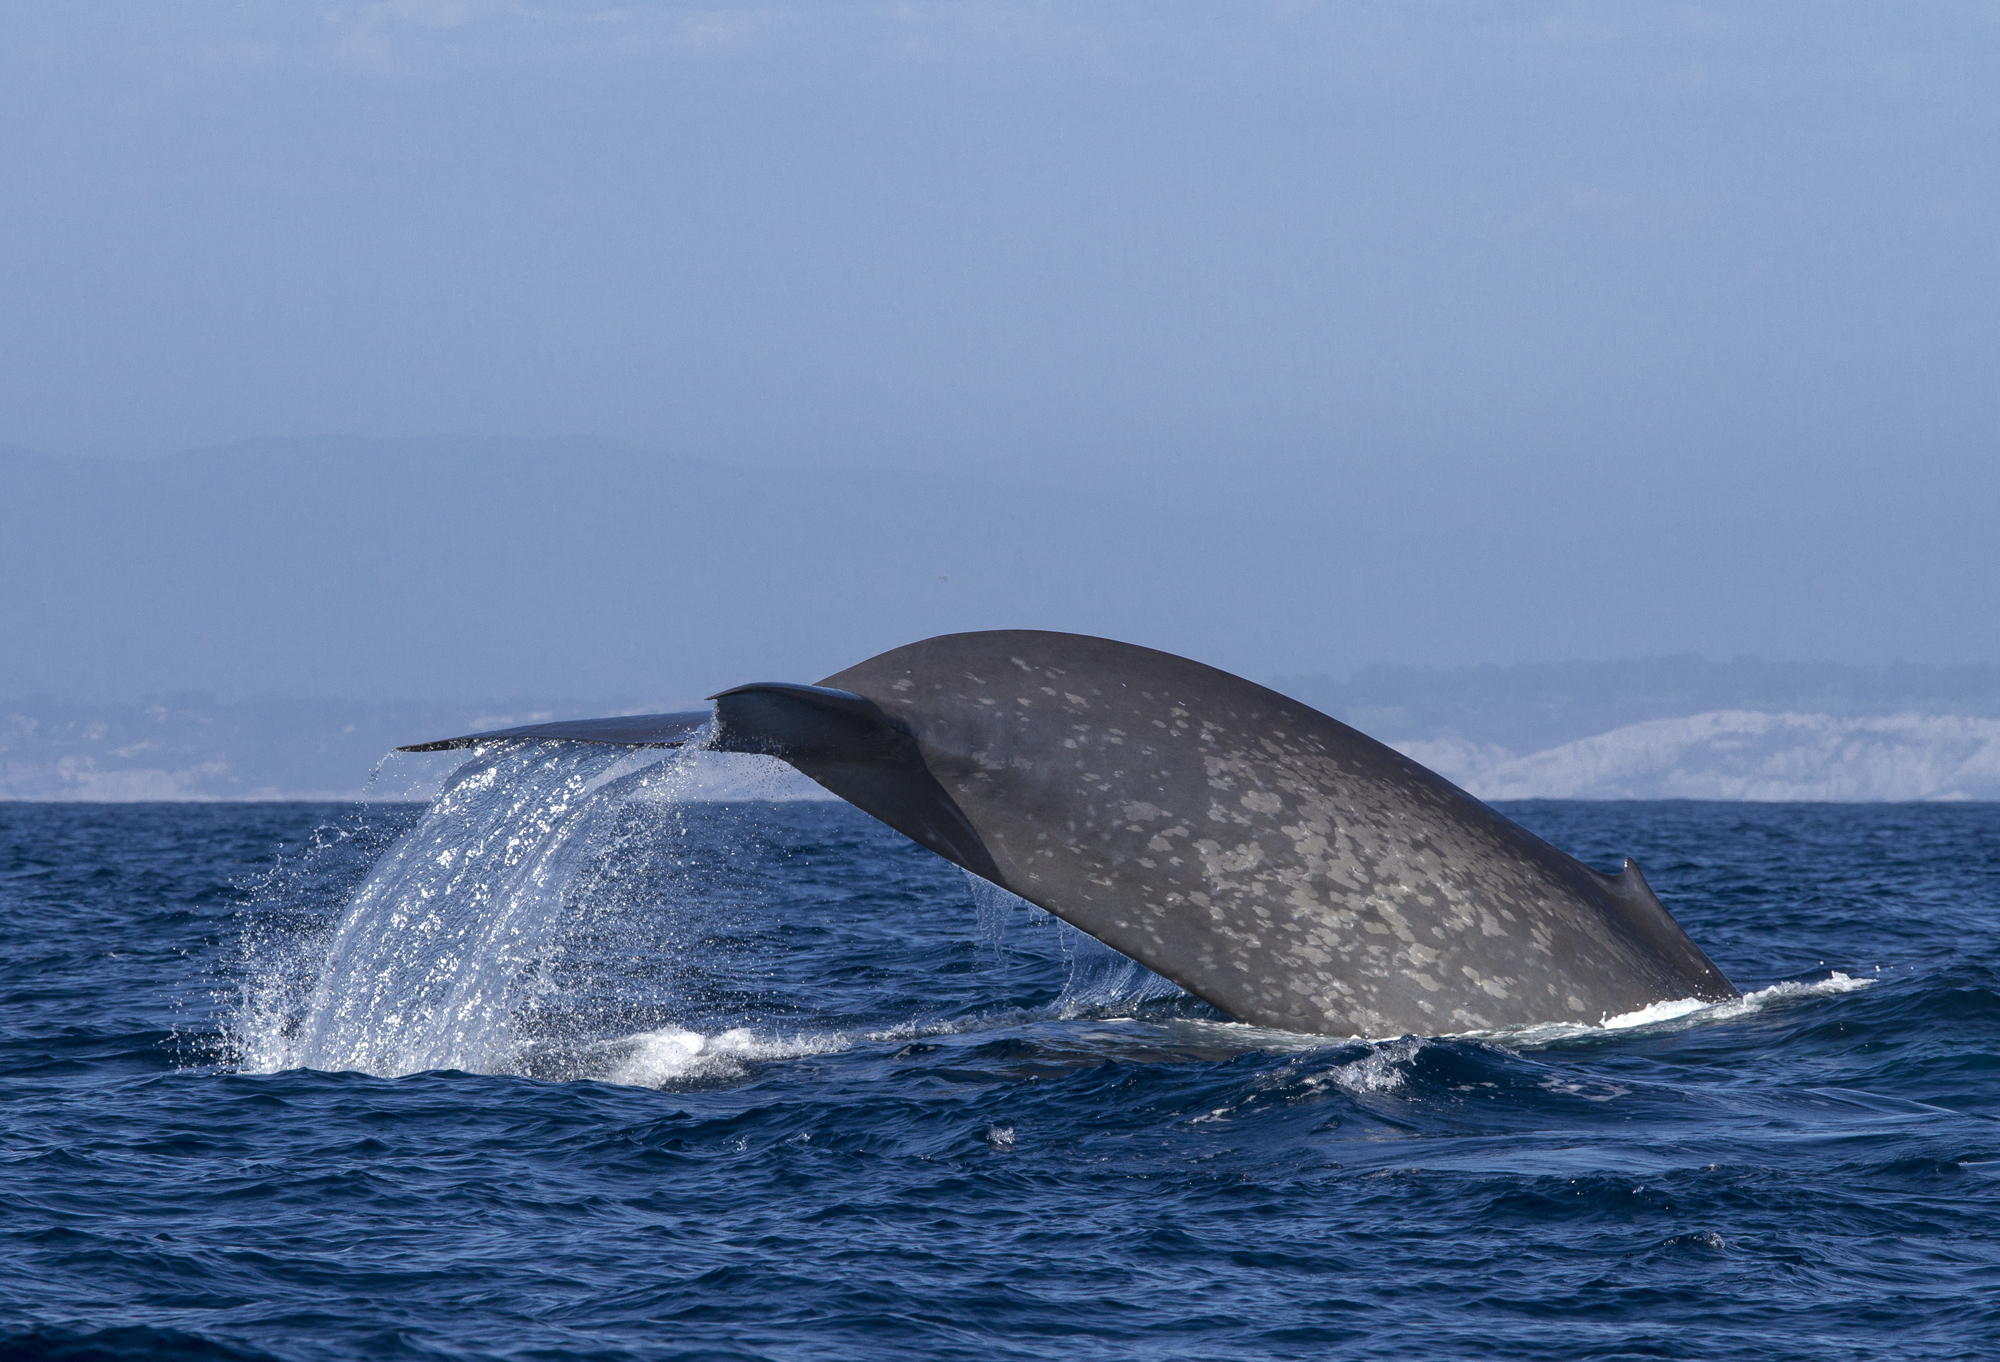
(676, 1054)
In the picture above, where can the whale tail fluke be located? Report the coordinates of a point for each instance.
(632, 730)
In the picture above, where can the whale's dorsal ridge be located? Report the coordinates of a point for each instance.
(1655, 926)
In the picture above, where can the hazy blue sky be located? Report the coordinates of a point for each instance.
(1629, 328)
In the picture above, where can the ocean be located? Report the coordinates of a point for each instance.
(571, 1063)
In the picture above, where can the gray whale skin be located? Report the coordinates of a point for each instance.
(1272, 861)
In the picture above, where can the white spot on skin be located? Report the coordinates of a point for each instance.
(1261, 801)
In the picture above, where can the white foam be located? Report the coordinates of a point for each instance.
(1679, 1013)
(674, 1054)
(1378, 1066)
(1384, 1068)
(1652, 1013)
(1835, 983)
(653, 1059)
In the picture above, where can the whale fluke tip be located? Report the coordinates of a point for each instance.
(629, 730)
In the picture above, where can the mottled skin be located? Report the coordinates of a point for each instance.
(1269, 859)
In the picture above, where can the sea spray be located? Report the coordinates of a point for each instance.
(448, 950)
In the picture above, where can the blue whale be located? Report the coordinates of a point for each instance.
(1270, 860)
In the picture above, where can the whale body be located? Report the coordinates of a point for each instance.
(1272, 861)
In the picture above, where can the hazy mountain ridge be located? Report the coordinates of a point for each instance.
(1742, 755)
(1685, 727)
(1532, 706)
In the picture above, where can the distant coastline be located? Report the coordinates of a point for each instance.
(1670, 728)
(1685, 727)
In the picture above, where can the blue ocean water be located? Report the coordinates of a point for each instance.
(568, 1065)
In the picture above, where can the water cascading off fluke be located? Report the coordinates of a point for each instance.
(441, 950)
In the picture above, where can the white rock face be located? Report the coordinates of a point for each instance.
(1741, 754)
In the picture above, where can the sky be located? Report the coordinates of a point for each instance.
(1448, 333)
